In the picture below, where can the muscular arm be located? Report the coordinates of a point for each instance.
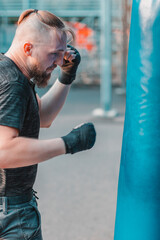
(52, 102)
(18, 151)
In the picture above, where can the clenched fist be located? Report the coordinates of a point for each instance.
(80, 138)
(71, 61)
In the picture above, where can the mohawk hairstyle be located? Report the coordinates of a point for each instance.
(47, 18)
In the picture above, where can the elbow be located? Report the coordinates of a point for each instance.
(45, 125)
(47, 121)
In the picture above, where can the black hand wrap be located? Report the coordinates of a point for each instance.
(68, 69)
(80, 138)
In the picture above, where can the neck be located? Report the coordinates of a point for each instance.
(16, 57)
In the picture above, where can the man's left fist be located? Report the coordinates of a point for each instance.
(81, 138)
(71, 61)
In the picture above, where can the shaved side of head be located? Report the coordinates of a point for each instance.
(35, 26)
(32, 30)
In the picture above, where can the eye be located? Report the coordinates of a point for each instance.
(54, 54)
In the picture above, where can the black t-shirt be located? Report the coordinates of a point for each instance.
(18, 109)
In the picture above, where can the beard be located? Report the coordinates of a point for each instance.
(39, 78)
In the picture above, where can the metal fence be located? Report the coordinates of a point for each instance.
(88, 14)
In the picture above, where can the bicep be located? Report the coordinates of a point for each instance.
(7, 134)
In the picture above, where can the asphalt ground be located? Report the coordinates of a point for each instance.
(77, 193)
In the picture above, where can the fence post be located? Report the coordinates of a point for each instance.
(106, 61)
(106, 55)
(26, 4)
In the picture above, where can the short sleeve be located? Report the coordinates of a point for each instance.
(13, 103)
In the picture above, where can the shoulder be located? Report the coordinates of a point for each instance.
(11, 76)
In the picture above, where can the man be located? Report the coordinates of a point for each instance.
(39, 45)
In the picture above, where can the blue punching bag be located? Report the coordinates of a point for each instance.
(138, 201)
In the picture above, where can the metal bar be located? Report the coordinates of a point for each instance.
(61, 13)
(106, 53)
(26, 4)
(3, 30)
(40, 5)
(125, 44)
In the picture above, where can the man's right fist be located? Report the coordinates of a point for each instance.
(80, 138)
(69, 68)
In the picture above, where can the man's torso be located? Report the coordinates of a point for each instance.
(19, 109)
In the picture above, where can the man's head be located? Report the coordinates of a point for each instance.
(42, 39)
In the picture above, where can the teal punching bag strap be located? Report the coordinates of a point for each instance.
(138, 200)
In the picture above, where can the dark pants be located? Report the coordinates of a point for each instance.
(20, 221)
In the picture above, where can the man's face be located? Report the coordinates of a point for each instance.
(46, 56)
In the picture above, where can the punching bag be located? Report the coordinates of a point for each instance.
(138, 198)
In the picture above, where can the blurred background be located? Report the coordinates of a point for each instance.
(78, 193)
(86, 17)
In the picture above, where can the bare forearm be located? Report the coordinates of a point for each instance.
(21, 152)
(52, 102)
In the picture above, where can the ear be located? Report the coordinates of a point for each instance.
(28, 49)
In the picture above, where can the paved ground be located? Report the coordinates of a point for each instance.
(78, 193)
